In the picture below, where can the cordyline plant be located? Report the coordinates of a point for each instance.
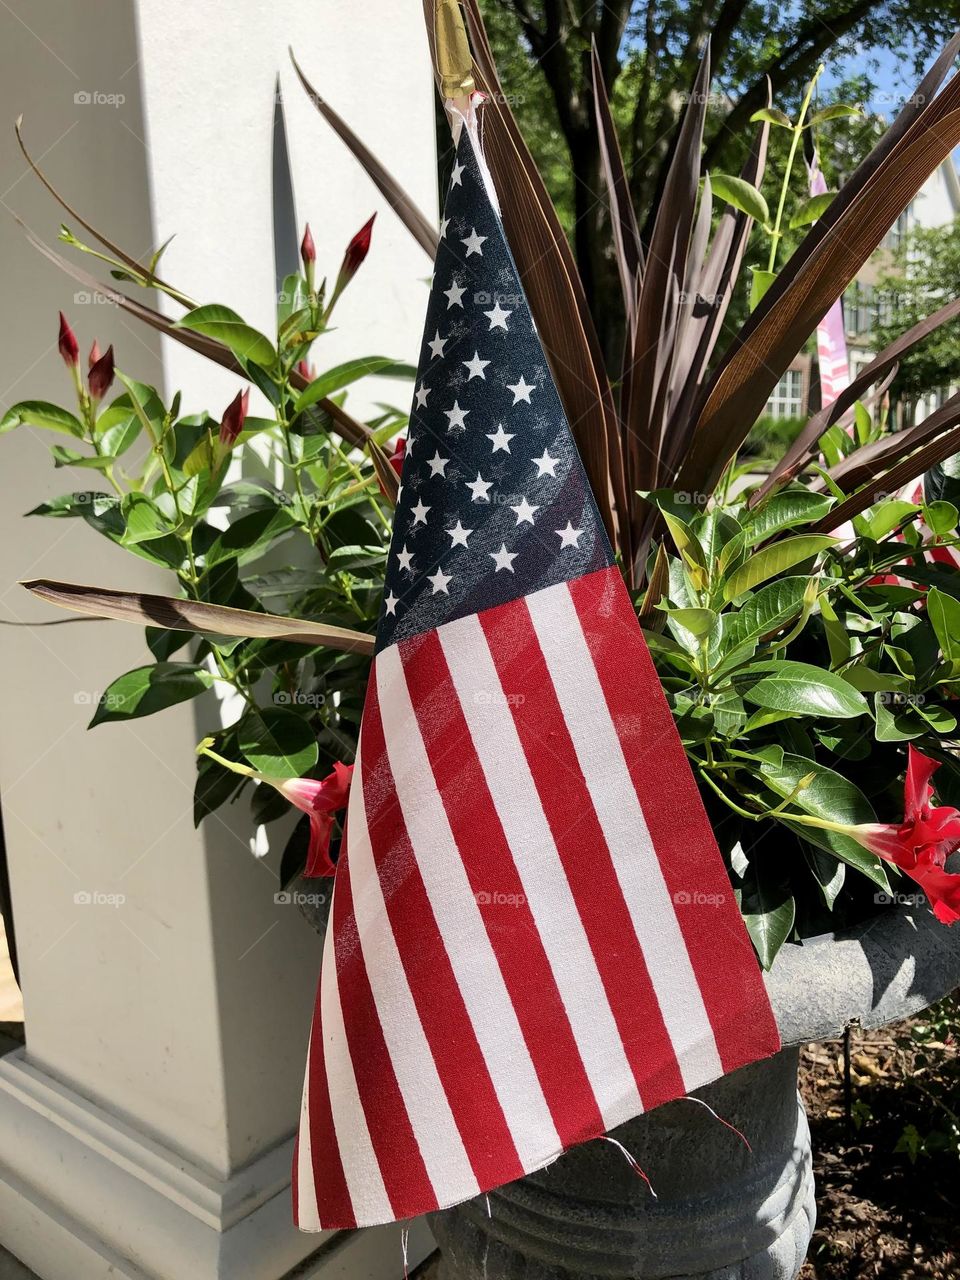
(805, 624)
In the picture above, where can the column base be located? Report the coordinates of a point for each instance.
(84, 1196)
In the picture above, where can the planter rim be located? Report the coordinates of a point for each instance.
(887, 968)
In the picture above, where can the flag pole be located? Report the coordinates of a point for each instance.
(453, 58)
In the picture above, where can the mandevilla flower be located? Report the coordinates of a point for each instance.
(67, 344)
(319, 799)
(306, 370)
(231, 424)
(308, 250)
(921, 843)
(95, 354)
(100, 377)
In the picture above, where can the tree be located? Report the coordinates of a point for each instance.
(922, 274)
(649, 51)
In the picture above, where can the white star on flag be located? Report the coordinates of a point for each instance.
(480, 488)
(422, 393)
(439, 581)
(405, 560)
(500, 439)
(454, 294)
(546, 466)
(419, 513)
(436, 345)
(570, 537)
(391, 602)
(458, 535)
(503, 558)
(521, 390)
(456, 174)
(524, 511)
(476, 366)
(437, 464)
(444, 223)
(455, 416)
(473, 243)
(498, 317)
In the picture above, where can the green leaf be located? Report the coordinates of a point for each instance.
(38, 413)
(897, 724)
(830, 796)
(341, 376)
(278, 742)
(697, 621)
(772, 115)
(838, 641)
(759, 284)
(215, 321)
(944, 614)
(836, 111)
(941, 517)
(741, 194)
(877, 521)
(149, 689)
(811, 209)
(774, 559)
(828, 872)
(768, 913)
(142, 519)
(801, 689)
(771, 608)
(248, 536)
(783, 511)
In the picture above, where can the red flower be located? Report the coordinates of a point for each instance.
(398, 455)
(319, 800)
(94, 355)
(921, 844)
(306, 370)
(231, 424)
(100, 377)
(67, 344)
(357, 250)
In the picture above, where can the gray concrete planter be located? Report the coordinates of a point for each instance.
(722, 1212)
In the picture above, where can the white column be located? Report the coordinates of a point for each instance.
(148, 1124)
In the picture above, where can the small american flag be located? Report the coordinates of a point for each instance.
(533, 937)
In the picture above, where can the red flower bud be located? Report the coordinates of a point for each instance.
(308, 250)
(67, 344)
(232, 421)
(305, 368)
(95, 354)
(399, 453)
(100, 377)
(357, 250)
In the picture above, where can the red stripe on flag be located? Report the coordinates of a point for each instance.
(433, 984)
(723, 960)
(580, 842)
(330, 1185)
(491, 870)
(402, 1168)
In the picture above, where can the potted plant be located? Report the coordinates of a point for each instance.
(803, 623)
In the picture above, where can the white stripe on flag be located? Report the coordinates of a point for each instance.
(428, 1109)
(308, 1219)
(598, 749)
(361, 1169)
(549, 896)
(460, 922)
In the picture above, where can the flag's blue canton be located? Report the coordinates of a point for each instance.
(494, 501)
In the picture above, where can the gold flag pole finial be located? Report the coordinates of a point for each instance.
(454, 63)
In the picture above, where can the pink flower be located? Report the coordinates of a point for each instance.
(306, 370)
(100, 377)
(94, 355)
(233, 418)
(922, 842)
(67, 344)
(320, 800)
